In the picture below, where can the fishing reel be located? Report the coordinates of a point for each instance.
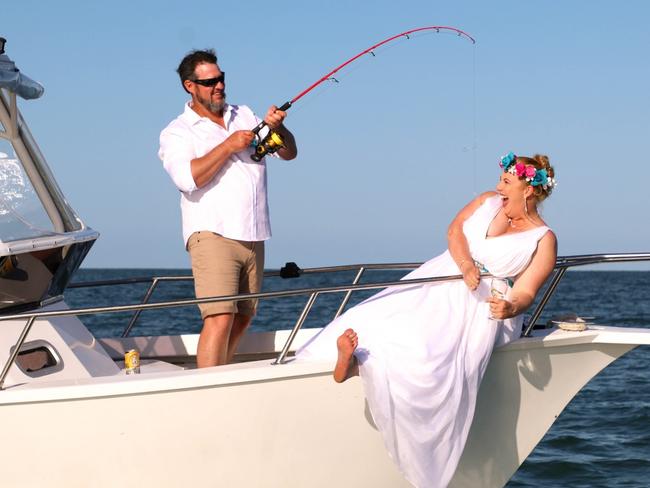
(270, 144)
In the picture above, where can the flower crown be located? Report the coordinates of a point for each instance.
(534, 176)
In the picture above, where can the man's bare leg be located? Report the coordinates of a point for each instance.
(239, 325)
(346, 362)
(213, 341)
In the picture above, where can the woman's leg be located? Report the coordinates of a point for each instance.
(346, 364)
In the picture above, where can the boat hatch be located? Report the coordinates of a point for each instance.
(38, 358)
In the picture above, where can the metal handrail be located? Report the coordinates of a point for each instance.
(296, 328)
(154, 280)
(137, 313)
(557, 277)
(14, 353)
(562, 261)
(240, 297)
(348, 294)
(586, 259)
(31, 317)
(269, 273)
(562, 264)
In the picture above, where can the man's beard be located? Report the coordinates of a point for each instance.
(214, 107)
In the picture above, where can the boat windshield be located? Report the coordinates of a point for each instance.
(22, 215)
(42, 240)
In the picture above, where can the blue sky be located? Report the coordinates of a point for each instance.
(387, 156)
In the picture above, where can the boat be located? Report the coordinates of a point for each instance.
(72, 416)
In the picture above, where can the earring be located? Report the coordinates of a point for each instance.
(525, 205)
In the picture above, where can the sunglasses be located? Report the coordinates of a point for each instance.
(211, 81)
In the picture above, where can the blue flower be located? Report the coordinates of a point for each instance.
(540, 178)
(507, 160)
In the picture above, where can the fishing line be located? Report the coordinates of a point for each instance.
(474, 141)
(272, 142)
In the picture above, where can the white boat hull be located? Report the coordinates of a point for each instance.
(301, 431)
(524, 391)
(257, 424)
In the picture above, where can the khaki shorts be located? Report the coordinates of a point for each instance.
(223, 267)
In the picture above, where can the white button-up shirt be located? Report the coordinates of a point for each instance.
(234, 203)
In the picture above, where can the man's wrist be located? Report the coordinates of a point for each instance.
(279, 128)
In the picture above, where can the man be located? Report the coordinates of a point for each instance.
(206, 151)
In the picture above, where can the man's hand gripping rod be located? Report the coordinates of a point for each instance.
(271, 143)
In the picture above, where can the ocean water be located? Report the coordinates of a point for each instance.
(602, 439)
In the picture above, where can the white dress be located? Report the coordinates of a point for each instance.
(423, 350)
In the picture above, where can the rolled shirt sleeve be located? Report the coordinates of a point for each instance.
(177, 152)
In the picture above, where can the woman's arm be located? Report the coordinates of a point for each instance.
(529, 282)
(457, 242)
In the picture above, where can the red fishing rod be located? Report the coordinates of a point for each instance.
(272, 142)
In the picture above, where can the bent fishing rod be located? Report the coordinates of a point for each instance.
(272, 142)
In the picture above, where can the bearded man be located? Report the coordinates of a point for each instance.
(207, 152)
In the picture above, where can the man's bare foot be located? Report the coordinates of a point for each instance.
(346, 344)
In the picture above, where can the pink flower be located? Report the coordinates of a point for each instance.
(520, 168)
(530, 171)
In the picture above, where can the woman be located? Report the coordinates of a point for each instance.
(422, 350)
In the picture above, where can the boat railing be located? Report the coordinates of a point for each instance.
(286, 272)
(562, 265)
(313, 293)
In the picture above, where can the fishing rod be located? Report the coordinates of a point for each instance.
(273, 141)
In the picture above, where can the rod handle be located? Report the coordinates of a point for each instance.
(286, 106)
(261, 125)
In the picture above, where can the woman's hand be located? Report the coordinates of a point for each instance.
(500, 308)
(471, 275)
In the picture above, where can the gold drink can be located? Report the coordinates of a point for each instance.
(132, 361)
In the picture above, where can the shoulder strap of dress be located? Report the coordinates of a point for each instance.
(493, 203)
(541, 231)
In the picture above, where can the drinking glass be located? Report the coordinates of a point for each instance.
(498, 289)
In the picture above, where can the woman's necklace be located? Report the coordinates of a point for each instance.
(513, 224)
(521, 226)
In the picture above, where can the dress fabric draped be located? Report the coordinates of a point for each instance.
(423, 350)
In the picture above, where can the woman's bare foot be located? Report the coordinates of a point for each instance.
(346, 344)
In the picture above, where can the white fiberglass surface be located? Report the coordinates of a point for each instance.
(22, 215)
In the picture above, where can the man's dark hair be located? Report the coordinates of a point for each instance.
(192, 60)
